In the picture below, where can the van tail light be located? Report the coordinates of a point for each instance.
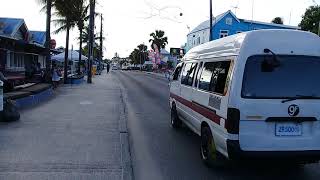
(233, 121)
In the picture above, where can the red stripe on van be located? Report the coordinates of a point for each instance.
(204, 111)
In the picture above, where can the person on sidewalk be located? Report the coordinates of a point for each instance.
(108, 68)
(55, 77)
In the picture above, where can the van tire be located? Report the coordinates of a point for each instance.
(175, 120)
(209, 155)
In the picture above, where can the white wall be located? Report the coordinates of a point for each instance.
(193, 39)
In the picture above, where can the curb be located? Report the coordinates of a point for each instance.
(34, 99)
(126, 161)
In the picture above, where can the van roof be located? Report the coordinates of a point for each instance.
(254, 42)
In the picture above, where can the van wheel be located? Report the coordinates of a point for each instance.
(209, 155)
(175, 121)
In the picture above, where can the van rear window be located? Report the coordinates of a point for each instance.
(281, 76)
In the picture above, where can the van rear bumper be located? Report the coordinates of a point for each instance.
(236, 153)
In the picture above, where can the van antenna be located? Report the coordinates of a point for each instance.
(252, 13)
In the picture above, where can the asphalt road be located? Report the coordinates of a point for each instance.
(159, 152)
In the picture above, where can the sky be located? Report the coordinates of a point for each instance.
(128, 23)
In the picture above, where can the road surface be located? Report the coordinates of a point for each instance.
(159, 152)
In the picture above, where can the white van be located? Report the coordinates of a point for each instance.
(252, 95)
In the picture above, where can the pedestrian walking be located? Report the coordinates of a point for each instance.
(108, 68)
(55, 77)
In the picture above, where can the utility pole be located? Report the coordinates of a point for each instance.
(48, 37)
(101, 42)
(91, 40)
(210, 36)
(319, 29)
(80, 44)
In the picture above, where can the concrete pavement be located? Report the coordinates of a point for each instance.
(79, 134)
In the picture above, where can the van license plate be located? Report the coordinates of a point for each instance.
(288, 129)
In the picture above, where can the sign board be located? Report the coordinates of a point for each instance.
(175, 51)
(179, 52)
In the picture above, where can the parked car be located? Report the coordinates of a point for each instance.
(114, 68)
(251, 96)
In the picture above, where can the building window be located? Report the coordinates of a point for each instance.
(224, 33)
(199, 41)
(15, 61)
(229, 21)
(42, 61)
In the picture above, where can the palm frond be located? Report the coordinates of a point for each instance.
(59, 22)
(60, 29)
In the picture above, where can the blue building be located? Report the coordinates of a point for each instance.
(224, 25)
(20, 50)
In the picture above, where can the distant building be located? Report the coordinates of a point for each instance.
(165, 55)
(227, 24)
(20, 49)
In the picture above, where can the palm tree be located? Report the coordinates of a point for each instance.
(47, 5)
(139, 54)
(82, 14)
(85, 35)
(67, 19)
(159, 39)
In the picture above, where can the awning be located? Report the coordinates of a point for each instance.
(72, 56)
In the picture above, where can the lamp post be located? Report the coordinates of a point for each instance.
(210, 36)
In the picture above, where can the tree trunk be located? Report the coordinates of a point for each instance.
(80, 49)
(48, 29)
(65, 76)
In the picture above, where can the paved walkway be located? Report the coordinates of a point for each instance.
(79, 134)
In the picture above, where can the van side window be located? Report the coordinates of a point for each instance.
(205, 78)
(198, 74)
(214, 76)
(188, 74)
(219, 76)
(177, 72)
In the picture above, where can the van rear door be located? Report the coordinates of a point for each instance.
(279, 105)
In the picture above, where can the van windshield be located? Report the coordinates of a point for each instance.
(293, 76)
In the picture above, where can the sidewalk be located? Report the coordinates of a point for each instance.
(80, 134)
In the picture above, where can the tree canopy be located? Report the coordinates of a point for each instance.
(310, 19)
(277, 20)
(158, 37)
(139, 55)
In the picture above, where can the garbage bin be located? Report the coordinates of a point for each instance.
(1, 96)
